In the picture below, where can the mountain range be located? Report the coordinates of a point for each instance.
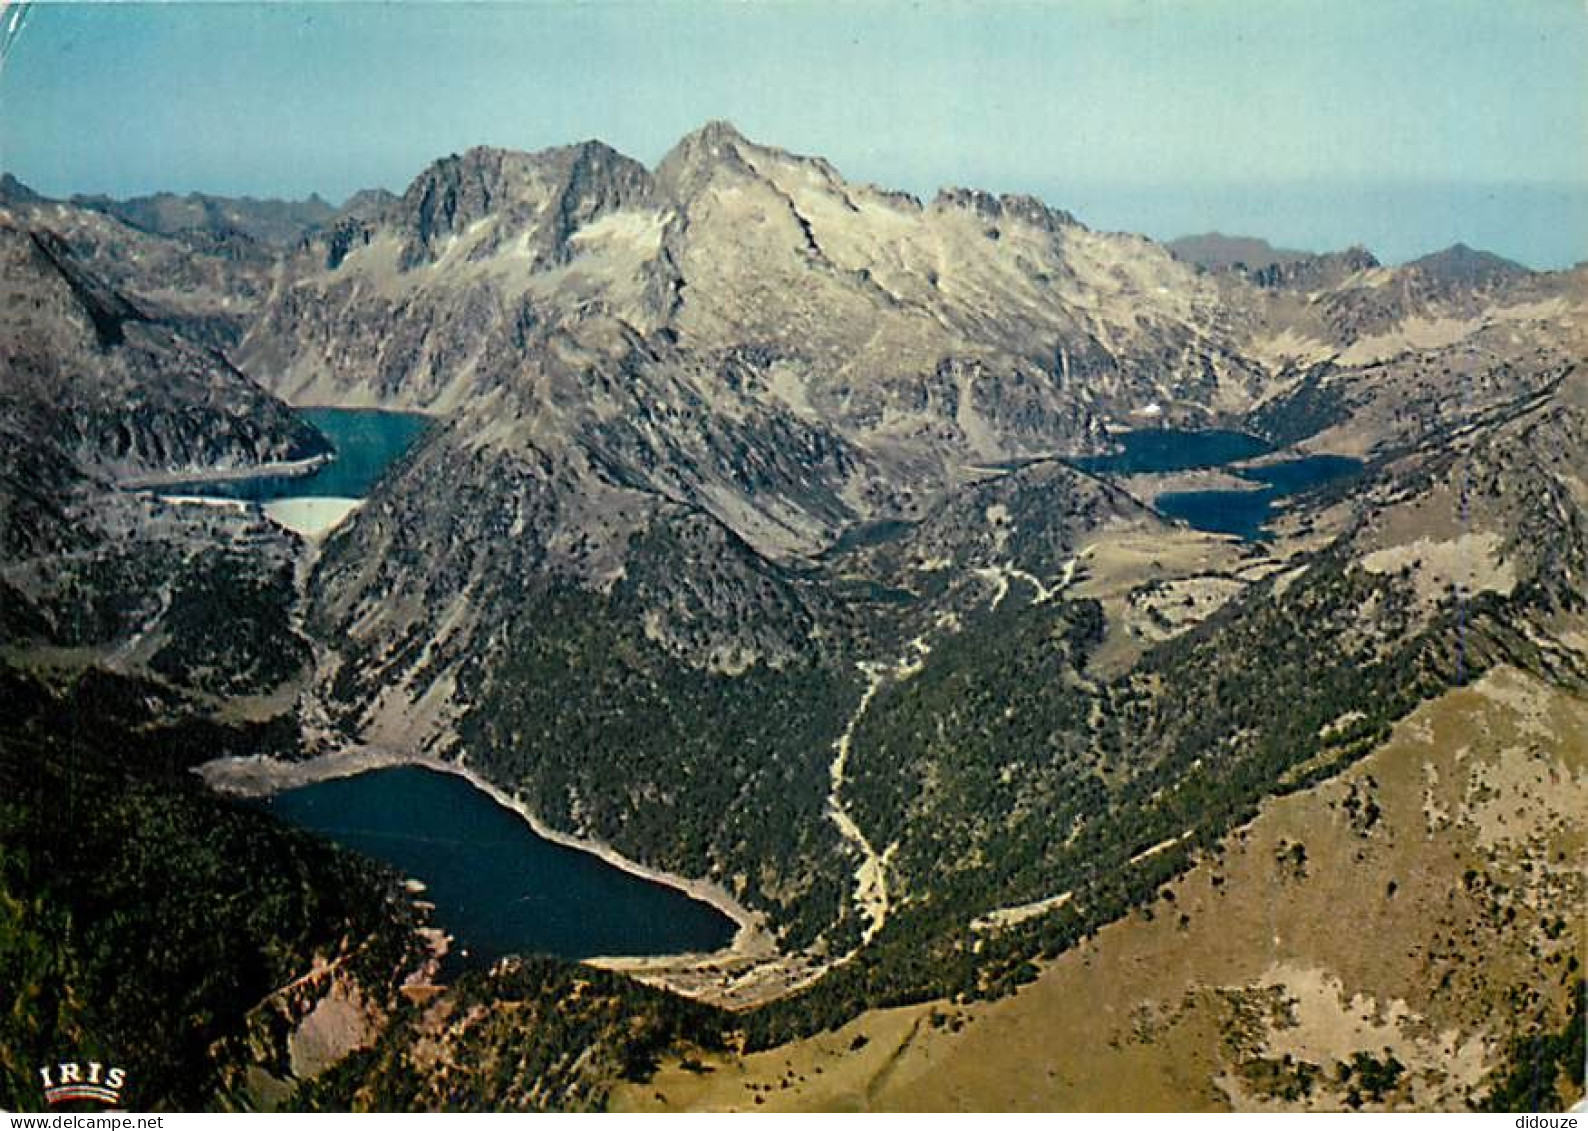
(754, 536)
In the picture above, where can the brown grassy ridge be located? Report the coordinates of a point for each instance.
(1377, 940)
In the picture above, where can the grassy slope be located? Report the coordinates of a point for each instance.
(1273, 959)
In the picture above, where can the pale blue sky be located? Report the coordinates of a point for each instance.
(1402, 124)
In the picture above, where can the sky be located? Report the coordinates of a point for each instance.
(1403, 125)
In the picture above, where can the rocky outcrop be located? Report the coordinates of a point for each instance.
(1315, 272)
(540, 198)
(278, 223)
(91, 378)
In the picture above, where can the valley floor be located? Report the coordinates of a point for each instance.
(1375, 940)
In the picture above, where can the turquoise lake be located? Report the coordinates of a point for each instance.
(498, 888)
(366, 441)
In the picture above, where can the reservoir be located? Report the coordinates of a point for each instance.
(1239, 512)
(366, 440)
(499, 888)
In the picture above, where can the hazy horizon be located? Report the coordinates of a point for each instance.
(1312, 126)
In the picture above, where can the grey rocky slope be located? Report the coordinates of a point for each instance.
(206, 282)
(118, 394)
(96, 396)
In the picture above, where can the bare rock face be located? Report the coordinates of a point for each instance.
(541, 198)
(115, 394)
(205, 281)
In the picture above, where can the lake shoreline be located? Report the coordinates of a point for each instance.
(281, 469)
(259, 777)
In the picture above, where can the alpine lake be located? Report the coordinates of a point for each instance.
(498, 887)
(1244, 512)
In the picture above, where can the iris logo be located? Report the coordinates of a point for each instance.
(70, 1080)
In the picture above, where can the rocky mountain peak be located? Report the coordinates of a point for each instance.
(715, 138)
(13, 191)
(718, 150)
(449, 195)
(593, 170)
(699, 156)
(549, 194)
(1465, 266)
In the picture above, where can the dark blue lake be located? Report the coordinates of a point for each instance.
(1242, 513)
(1302, 474)
(498, 887)
(1173, 449)
(366, 440)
